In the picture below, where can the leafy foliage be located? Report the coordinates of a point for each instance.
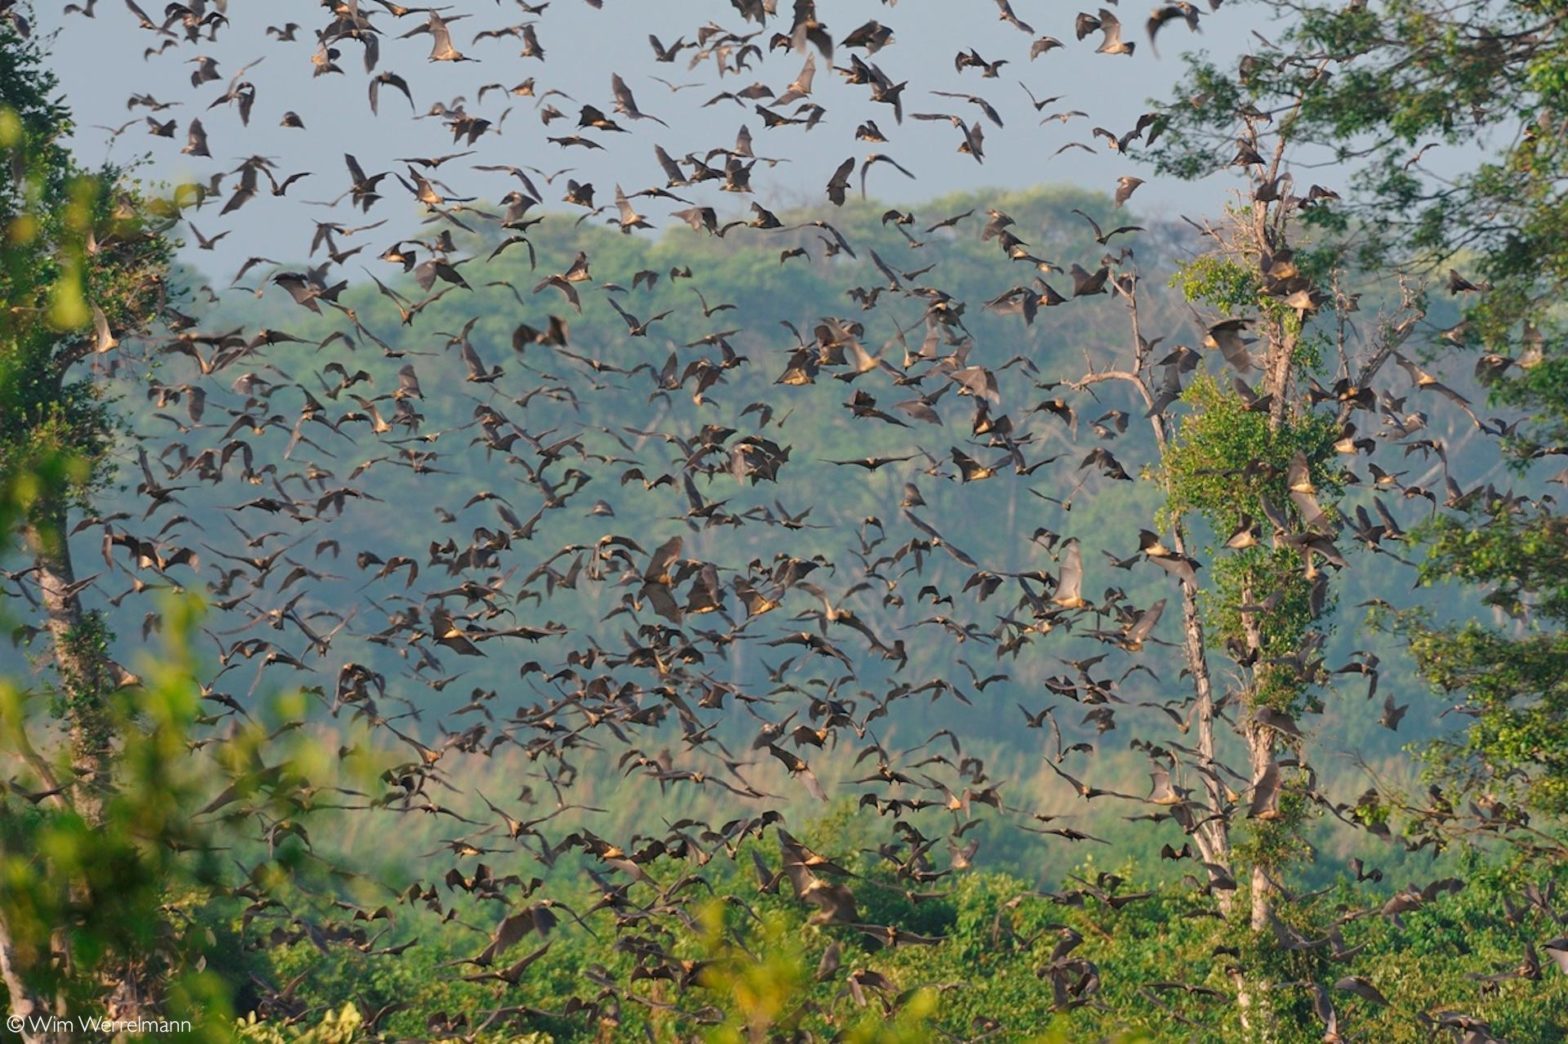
(593, 845)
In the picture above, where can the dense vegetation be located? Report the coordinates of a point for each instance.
(850, 625)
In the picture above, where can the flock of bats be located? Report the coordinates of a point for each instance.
(833, 618)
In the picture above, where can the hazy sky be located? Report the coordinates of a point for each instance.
(100, 62)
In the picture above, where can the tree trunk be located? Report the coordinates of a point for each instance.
(86, 673)
(24, 1004)
(1260, 744)
(1213, 835)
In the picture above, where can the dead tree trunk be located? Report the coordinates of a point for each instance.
(1211, 833)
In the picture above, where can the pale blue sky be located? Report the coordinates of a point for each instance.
(100, 62)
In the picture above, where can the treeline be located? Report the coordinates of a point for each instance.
(823, 623)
